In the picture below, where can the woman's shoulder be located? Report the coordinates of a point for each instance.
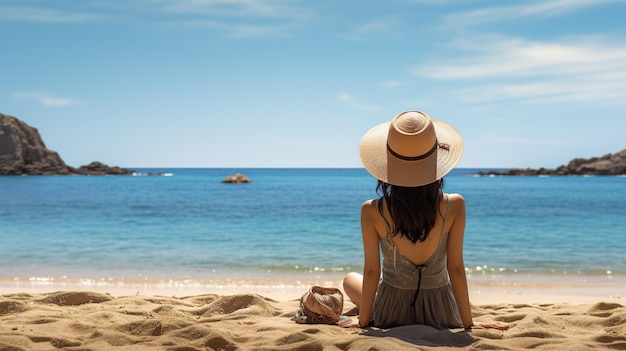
(456, 201)
(370, 209)
(369, 205)
(454, 197)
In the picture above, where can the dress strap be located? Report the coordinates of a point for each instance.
(445, 218)
(381, 210)
(382, 213)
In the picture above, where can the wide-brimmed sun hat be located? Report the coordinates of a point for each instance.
(411, 150)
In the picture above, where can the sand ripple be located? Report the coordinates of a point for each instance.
(93, 321)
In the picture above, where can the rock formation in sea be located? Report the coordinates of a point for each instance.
(23, 152)
(99, 168)
(609, 164)
(237, 178)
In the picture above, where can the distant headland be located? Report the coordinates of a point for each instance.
(23, 152)
(607, 165)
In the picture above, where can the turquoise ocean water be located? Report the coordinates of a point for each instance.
(290, 223)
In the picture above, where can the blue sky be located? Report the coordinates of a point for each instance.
(290, 83)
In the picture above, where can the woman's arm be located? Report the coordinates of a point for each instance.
(456, 266)
(371, 269)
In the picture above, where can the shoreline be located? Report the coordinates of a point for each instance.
(483, 288)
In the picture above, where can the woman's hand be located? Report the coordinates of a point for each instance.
(349, 322)
(498, 326)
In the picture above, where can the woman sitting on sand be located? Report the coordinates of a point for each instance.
(418, 228)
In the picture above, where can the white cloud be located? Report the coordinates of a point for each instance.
(233, 18)
(35, 14)
(237, 30)
(45, 99)
(391, 84)
(490, 57)
(351, 101)
(383, 28)
(507, 13)
(566, 91)
(252, 8)
(581, 69)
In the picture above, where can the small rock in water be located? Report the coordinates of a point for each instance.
(237, 178)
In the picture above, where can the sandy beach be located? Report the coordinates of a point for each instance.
(259, 317)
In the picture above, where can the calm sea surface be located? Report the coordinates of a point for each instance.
(290, 222)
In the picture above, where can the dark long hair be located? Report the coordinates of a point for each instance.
(413, 210)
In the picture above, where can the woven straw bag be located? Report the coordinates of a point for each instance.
(320, 305)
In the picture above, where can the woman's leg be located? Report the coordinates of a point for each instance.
(353, 285)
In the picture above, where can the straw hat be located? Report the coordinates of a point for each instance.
(411, 150)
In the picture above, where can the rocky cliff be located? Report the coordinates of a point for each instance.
(609, 164)
(22, 151)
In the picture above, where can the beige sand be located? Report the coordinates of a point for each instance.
(80, 320)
